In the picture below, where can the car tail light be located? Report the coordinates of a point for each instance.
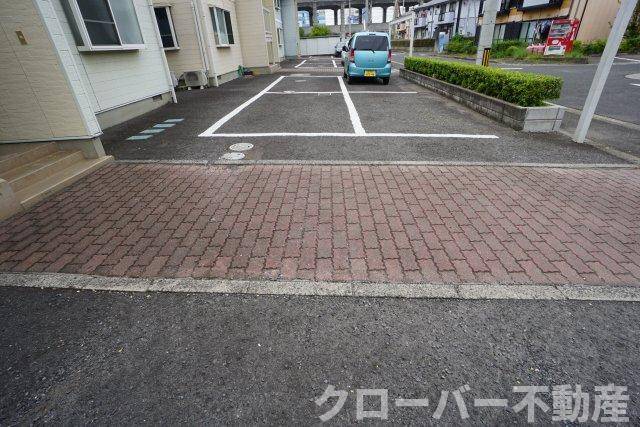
(352, 55)
(389, 56)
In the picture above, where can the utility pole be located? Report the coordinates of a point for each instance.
(342, 26)
(350, 32)
(365, 20)
(604, 67)
(486, 33)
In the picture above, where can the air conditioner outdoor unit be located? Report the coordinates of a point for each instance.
(195, 78)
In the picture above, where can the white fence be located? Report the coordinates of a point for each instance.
(318, 46)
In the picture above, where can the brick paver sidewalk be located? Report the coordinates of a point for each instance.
(379, 223)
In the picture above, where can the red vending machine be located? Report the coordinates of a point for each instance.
(561, 36)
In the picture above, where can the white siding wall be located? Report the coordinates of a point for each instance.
(119, 78)
(36, 101)
(226, 59)
(189, 56)
(252, 33)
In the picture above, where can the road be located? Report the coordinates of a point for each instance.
(620, 99)
(163, 358)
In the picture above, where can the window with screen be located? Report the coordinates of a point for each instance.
(104, 24)
(165, 27)
(222, 28)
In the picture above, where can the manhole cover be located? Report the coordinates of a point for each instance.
(242, 146)
(232, 156)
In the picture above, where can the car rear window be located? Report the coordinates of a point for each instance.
(371, 43)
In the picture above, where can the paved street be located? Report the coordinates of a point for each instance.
(162, 358)
(402, 122)
(620, 99)
(297, 184)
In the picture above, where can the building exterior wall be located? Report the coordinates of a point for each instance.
(460, 17)
(36, 99)
(226, 59)
(252, 33)
(119, 78)
(190, 55)
(596, 18)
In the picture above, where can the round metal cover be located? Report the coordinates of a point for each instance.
(242, 146)
(232, 156)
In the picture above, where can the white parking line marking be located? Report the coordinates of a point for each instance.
(635, 84)
(511, 68)
(225, 119)
(353, 135)
(353, 113)
(334, 63)
(628, 59)
(297, 66)
(292, 92)
(399, 63)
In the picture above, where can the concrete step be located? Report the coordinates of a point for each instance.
(41, 189)
(15, 155)
(41, 168)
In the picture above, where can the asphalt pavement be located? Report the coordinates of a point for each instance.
(620, 99)
(164, 358)
(431, 125)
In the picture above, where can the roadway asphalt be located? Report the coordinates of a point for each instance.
(620, 98)
(422, 112)
(163, 358)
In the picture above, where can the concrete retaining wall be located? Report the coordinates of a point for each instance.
(318, 46)
(529, 119)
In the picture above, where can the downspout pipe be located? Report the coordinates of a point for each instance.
(207, 40)
(167, 72)
(203, 54)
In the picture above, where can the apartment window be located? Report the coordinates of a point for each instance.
(222, 26)
(280, 37)
(104, 24)
(452, 7)
(165, 26)
(276, 4)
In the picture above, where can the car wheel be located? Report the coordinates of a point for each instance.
(349, 79)
(385, 81)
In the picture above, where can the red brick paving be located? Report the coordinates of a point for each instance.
(374, 223)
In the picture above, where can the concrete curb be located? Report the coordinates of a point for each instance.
(342, 289)
(384, 163)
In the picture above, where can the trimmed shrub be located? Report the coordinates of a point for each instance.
(416, 43)
(524, 89)
(516, 52)
(319, 31)
(630, 45)
(461, 45)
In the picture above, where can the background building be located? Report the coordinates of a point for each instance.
(531, 19)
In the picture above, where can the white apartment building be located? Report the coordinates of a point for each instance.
(211, 39)
(452, 16)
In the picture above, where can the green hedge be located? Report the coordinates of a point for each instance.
(527, 90)
(416, 43)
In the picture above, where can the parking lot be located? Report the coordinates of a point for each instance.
(307, 112)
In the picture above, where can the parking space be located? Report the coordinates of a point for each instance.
(315, 62)
(308, 116)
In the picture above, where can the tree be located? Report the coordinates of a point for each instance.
(633, 30)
